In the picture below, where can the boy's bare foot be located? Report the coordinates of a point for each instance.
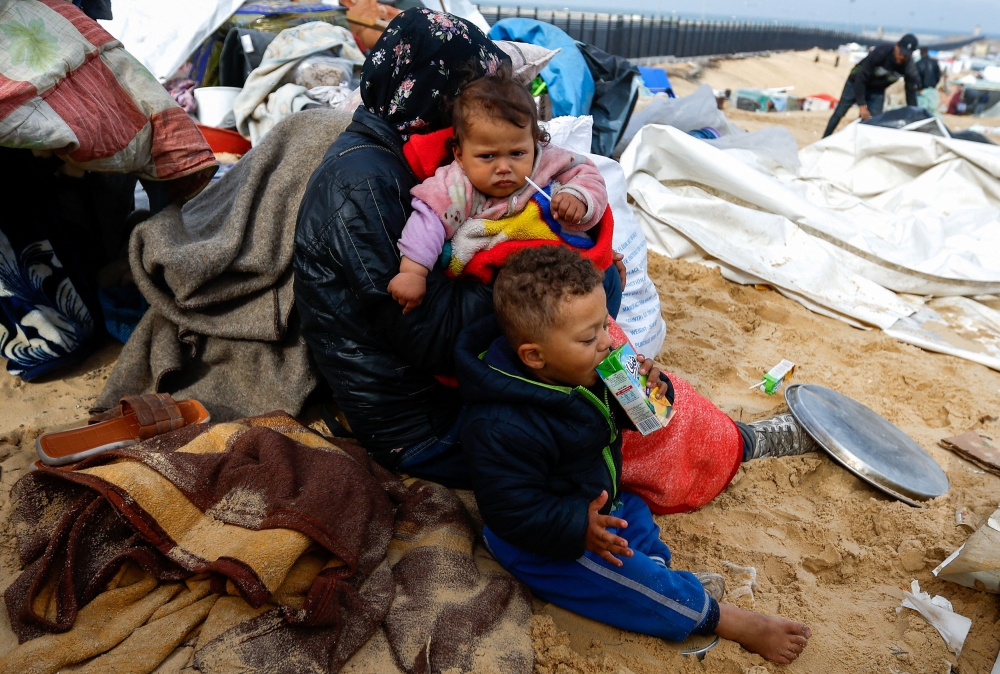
(777, 639)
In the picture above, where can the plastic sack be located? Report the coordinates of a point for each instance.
(639, 315)
(321, 70)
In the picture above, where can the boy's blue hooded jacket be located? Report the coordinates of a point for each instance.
(538, 454)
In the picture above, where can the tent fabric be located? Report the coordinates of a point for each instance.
(871, 213)
(688, 113)
(616, 89)
(570, 84)
(162, 35)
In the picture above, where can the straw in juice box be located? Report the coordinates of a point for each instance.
(620, 373)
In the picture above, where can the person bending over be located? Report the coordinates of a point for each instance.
(543, 442)
(869, 79)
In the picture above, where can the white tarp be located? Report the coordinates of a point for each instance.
(162, 35)
(871, 213)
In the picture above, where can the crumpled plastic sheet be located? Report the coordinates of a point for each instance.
(938, 611)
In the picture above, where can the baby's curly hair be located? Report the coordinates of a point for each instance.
(500, 96)
(532, 285)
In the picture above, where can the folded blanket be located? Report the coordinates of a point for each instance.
(217, 274)
(311, 546)
(255, 116)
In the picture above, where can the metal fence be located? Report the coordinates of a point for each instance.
(635, 37)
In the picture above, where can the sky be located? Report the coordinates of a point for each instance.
(937, 16)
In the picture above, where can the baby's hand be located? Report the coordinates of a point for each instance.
(567, 209)
(657, 387)
(408, 289)
(599, 539)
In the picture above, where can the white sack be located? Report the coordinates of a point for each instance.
(460, 8)
(639, 315)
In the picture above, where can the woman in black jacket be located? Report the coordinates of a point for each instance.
(380, 363)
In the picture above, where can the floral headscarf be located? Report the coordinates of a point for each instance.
(422, 60)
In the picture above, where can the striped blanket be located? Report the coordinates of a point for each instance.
(265, 547)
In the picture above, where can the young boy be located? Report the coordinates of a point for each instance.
(543, 440)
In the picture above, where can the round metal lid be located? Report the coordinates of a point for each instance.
(867, 444)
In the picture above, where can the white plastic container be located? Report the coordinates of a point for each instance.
(215, 103)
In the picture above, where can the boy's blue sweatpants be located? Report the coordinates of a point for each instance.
(643, 595)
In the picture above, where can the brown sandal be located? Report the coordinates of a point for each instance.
(138, 418)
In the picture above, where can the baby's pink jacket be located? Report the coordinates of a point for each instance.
(448, 198)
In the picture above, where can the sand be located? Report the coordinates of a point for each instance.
(827, 549)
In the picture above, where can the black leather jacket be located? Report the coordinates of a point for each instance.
(379, 362)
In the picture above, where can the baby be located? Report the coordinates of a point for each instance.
(497, 146)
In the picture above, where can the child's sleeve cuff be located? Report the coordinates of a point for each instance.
(711, 620)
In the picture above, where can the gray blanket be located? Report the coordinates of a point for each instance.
(217, 274)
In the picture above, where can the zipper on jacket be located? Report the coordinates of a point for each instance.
(366, 145)
(603, 407)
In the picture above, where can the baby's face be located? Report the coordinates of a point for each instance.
(496, 155)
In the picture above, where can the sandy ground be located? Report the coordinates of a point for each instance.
(828, 549)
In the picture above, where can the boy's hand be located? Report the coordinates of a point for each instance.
(408, 289)
(599, 539)
(657, 387)
(567, 209)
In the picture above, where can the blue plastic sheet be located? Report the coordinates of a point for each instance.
(570, 84)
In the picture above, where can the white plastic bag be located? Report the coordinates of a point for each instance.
(639, 315)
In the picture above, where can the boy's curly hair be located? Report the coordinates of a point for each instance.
(532, 285)
(499, 96)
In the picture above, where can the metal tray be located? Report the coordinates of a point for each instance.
(867, 444)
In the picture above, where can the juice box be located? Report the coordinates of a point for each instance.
(620, 373)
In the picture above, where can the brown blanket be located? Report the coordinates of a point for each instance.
(217, 274)
(314, 550)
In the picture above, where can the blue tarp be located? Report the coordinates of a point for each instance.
(570, 84)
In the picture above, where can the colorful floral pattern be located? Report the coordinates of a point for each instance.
(406, 77)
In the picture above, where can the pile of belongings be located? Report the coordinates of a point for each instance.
(765, 100)
(311, 63)
(580, 79)
(874, 225)
(82, 120)
(265, 548)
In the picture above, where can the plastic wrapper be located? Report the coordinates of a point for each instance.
(321, 70)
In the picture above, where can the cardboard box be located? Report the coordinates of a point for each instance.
(620, 373)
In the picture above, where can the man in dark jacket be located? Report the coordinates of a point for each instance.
(543, 442)
(869, 79)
